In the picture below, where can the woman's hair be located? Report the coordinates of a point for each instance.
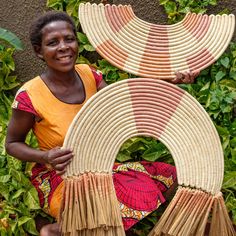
(39, 23)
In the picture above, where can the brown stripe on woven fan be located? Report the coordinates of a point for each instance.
(111, 16)
(148, 107)
(155, 51)
(199, 26)
(160, 43)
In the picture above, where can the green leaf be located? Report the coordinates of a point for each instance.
(30, 227)
(123, 76)
(55, 4)
(81, 48)
(121, 157)
(2, 161)
(225, 62)
(219, 75)
(18, 193)
(89, 48)
(233, 153)
(170, 7)
(213, 2)
(14, 163)
(205, 87)
(31, 199)
(152, 156)
(11, 38)
(232, 75)
(10, 86)
(229, 84)
(233, 142)
(82, 60)
(20, 178)
(5, 178)
(71, 7)
(4, 191)
(229, 180)
(22, 220)
(82, 38)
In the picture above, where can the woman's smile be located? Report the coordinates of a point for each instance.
(65, 59)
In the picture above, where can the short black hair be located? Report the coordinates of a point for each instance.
(51, 16)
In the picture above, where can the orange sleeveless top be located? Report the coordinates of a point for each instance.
(55, 115)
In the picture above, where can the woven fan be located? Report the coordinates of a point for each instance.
(155, 51)
(148, 107)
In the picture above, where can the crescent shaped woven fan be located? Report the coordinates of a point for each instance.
(155, 51)
(149, 107)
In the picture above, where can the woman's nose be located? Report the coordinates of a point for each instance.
(63, 45)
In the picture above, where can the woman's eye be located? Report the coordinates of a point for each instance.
(52, 43)
(70, 39)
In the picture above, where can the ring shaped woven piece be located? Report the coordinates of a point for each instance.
(155, 51)
(149, 107)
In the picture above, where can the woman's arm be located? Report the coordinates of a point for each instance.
(20, 124)
(102, 85)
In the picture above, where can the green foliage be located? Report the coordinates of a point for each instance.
(144, 148)
(19, 202)
(111, 73)
(69, 6)
(10, 39)
(176, 9)
(7, 65)
(19, 199)
(84, 43)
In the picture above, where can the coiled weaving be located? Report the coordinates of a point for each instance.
(151, 50)
(149, 107)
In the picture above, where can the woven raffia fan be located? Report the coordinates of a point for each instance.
(155, 51)
(149, 107)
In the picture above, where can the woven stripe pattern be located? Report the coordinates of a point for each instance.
(148, 107)
(151, 50)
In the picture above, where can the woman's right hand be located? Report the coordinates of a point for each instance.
(58, 158)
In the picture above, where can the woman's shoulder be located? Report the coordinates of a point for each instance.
(91, 71)
(29, 85)
(33, 83)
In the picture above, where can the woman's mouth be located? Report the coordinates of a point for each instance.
(64, 58)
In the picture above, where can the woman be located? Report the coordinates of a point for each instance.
(48, 103)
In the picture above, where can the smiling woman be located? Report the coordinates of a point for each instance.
(47, 104)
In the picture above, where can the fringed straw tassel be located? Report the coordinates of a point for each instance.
(188, 213)
(90, 207)
(220, 222)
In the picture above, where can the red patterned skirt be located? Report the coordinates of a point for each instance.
(139, 187)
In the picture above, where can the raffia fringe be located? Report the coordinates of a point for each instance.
(189, 212)
(90, 207)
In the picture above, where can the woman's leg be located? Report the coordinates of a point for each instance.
(50, 230)
(46, 227)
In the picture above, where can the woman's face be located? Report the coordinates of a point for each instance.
(59, 47)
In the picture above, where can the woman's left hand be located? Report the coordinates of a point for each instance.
(185, 77)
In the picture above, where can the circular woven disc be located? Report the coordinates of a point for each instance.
(155, 51)
(148, 107)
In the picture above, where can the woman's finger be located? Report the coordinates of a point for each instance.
(62, 166)
(61, 159)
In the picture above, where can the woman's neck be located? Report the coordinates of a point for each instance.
(59, 78)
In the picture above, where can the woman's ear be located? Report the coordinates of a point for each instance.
(37, 50)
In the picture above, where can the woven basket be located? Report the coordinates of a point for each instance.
(149, 107)
(155, 51)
